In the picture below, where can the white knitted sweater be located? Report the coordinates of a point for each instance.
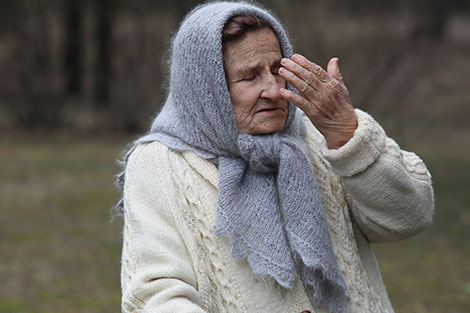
(172, 262)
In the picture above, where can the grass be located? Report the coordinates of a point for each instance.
(431, 272)
(60, 253)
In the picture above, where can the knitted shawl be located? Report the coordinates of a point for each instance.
(268, 202)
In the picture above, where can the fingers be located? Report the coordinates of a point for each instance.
(311, 109)
(301, 72)
(307, 77)
(322, 93)
(301, 85)
(312, 67)
(294, 98)
(333, 69)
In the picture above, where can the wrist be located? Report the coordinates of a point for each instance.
(336, 142)
(339, 136)
(360, 151)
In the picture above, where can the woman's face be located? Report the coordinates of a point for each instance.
(252, 64)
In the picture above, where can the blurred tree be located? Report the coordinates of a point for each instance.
(102, 56)
(73, 60)
(181, 8)
(430, 18)
(9, 13)
(104, 12)
(37, 99)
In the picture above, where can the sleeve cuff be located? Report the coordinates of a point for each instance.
(363, 149)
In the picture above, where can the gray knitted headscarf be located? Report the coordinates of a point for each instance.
(268, 203)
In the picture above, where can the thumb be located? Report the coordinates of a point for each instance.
(333, 70)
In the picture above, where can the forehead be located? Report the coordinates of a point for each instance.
(257, 46)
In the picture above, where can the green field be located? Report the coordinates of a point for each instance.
(61, 253)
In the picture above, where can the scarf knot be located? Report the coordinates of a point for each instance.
(268, 205)
(262, 152)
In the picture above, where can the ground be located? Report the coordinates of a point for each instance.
(61, 252)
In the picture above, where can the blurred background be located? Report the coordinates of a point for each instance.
(80, 79)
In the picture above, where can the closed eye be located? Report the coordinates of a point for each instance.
(249, 78)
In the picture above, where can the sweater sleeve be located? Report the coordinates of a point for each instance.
(157, 273)
(389, 190)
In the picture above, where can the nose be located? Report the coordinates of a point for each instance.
(272, 83)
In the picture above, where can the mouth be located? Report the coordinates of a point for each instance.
(269, 110)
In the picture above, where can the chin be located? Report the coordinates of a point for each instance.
(271, 128)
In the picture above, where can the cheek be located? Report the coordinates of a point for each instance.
(244, 98)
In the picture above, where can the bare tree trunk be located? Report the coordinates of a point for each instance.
(103, 36)
(37, 99)
(73, 61)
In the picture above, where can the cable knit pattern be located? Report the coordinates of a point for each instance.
(258, 173)
(364, 298)
(203, 239)
(386, 217)
(249, 214)
(222, 286)
(194, 267)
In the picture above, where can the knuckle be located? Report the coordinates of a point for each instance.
(309, 77)
(304, 87)
(299, 102)
(317, 70)
(333, 83)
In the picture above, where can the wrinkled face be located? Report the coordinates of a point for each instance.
(252, 63)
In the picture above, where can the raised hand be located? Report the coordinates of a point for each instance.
(324, 97)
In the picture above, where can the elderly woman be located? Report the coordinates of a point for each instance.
(238, 201)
